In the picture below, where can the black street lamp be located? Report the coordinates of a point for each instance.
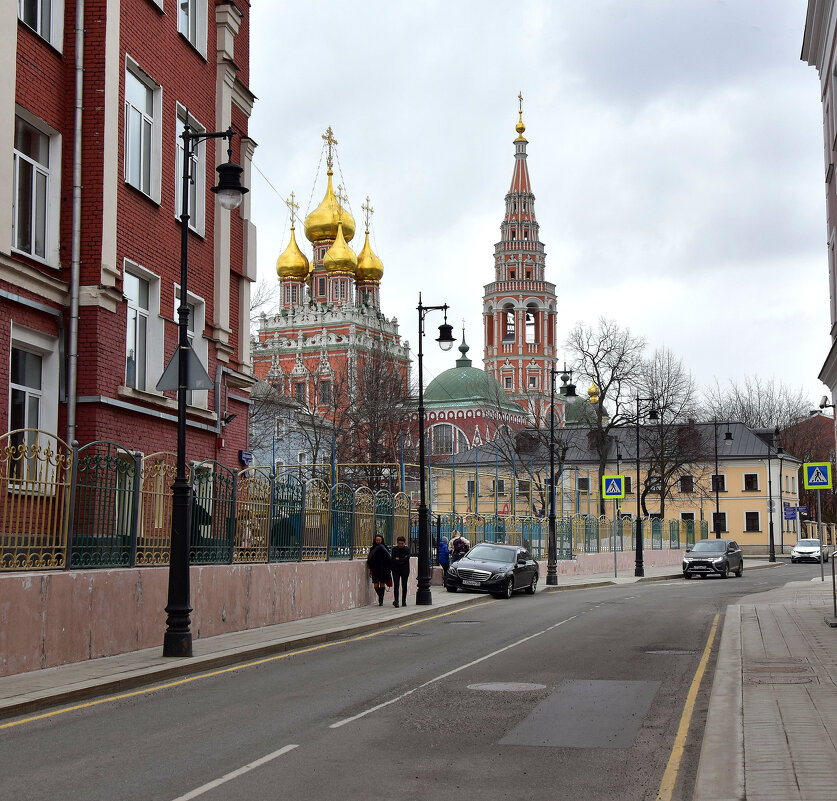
(178, 637)
(716, 523)
(445, 340)
(779, 450)
(552, 545)
(639, 567)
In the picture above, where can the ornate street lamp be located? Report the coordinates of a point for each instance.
(779, 450)
(639, 567)
(177, 640)
(445, 340)
(552, 545)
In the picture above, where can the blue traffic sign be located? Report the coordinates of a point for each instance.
(817, 475)
(613, 487)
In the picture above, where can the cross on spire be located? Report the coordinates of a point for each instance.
(341, 195)
(328, 136)
(292, 207)
(368, 211)
(520, 98)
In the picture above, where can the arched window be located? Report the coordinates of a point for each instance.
(508, 323)
(442, 440)
(531, 324)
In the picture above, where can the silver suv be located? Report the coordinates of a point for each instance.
(713, 558)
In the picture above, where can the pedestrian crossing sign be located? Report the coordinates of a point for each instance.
(817, 475)
(613, 487)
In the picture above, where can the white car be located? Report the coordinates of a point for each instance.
(808, 550)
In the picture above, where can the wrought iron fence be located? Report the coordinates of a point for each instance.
(102, 505)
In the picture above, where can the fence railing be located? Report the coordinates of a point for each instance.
(102, 505)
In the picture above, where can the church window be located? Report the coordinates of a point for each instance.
(507, 382)
(461, 442)
(321, 286)
(489, 330)
(325, 393)
(511, 275)
(442, 439)
(514, 207)
(531, 326)
(299, 391)
(533, 382)
(508, 330)
(295, 294)
(513, 236)
(525, 233)
(528, 274)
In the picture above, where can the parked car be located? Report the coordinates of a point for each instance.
(498, 569)
(713, 558)
(808, 549)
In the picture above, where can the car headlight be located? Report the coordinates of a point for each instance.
(452, 570)
(501, 574)
(719, 560)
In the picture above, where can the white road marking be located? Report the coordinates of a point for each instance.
(205, 788)
(445, 675)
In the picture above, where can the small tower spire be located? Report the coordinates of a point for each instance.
(520, 127)
(328, 136)
(368, 211)
(293, 208)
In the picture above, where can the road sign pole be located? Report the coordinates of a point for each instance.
(819, 533)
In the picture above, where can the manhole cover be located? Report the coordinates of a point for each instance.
(507, 687)
(671, 652)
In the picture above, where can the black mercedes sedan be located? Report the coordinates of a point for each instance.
(498, 569)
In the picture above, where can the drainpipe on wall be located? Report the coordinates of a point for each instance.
(75, 263)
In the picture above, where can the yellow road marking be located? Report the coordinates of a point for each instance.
(670, 776)
(231, 669)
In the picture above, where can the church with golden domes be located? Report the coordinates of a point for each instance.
(329, 326)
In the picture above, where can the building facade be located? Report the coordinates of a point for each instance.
(818, 50)
(95, 99)
(519, 305)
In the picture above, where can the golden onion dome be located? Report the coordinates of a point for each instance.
(369, 266)
(340, 258)
(292, 263)
(321, 223)
(520, 128)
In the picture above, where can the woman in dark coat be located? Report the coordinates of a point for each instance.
(400, 570)
(379, 564)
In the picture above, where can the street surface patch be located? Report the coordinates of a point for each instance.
(507, 687)
(587, 714)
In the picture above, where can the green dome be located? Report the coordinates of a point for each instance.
(467, 385)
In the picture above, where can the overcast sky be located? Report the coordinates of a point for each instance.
(675, 153)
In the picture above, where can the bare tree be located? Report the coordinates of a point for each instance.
(610, 357)
(673, 445)
(756, 402)
(264, 299)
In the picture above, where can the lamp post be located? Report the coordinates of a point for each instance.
(771, 541)
(445, 340)
(716, 523)
(639, 568)
(552, 552)
(177, 640)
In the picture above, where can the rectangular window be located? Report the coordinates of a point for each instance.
(524, 488)
(470, 488)
(321, 286)
(442, 439)
(198, 343)
(751, 482)
(197, 174)
(687, 516)
(137, 292)
(300, 457)
(751, 521)
(687, 484)
(629, 485)
(45, 17)
(533, 382)
(507, 382)
(299, 392)
(31, 192)
(719, 522)
(143, 101)
(325, 393)
(498, 486)
(719, 483)
(26, 389)
(582, 484)
(191, 22)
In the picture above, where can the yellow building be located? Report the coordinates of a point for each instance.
(510, 477)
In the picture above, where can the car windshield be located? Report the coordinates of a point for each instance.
(491, 553)
(808, 544)
(710, 546)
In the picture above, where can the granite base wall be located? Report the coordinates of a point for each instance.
(53, 618)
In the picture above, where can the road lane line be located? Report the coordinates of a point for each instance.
(449, 673)
(221, 671)
(205, 788)
(670, 775)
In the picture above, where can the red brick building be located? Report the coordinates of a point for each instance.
(90, 255)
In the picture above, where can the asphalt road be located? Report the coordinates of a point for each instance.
(570, 695)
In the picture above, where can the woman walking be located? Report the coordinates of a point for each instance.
(379, 564)
(444, 556)
(400, 570)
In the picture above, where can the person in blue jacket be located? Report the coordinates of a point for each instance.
(444, 556)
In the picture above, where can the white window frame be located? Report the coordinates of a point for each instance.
(55, 16)
(744, 483)
(197, 190)
(155, 333)
(45, 346)
(197, 321)
(191, 23)
(155, 120)
(722, 484)
(758, 521)
(722, 518)
(52, 172)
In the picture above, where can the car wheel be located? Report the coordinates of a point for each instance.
(449, 588)
(533, 587)
(793, 561)
(725, 572)
(687, 576)
(508, 589)
(740, 571)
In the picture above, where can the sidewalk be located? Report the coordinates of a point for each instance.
(771, 729)
(28, 692)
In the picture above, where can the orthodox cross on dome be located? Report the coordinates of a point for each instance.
(328, 136)
(292, 207)
(520, 98)
(368, 211)
(341, 195)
